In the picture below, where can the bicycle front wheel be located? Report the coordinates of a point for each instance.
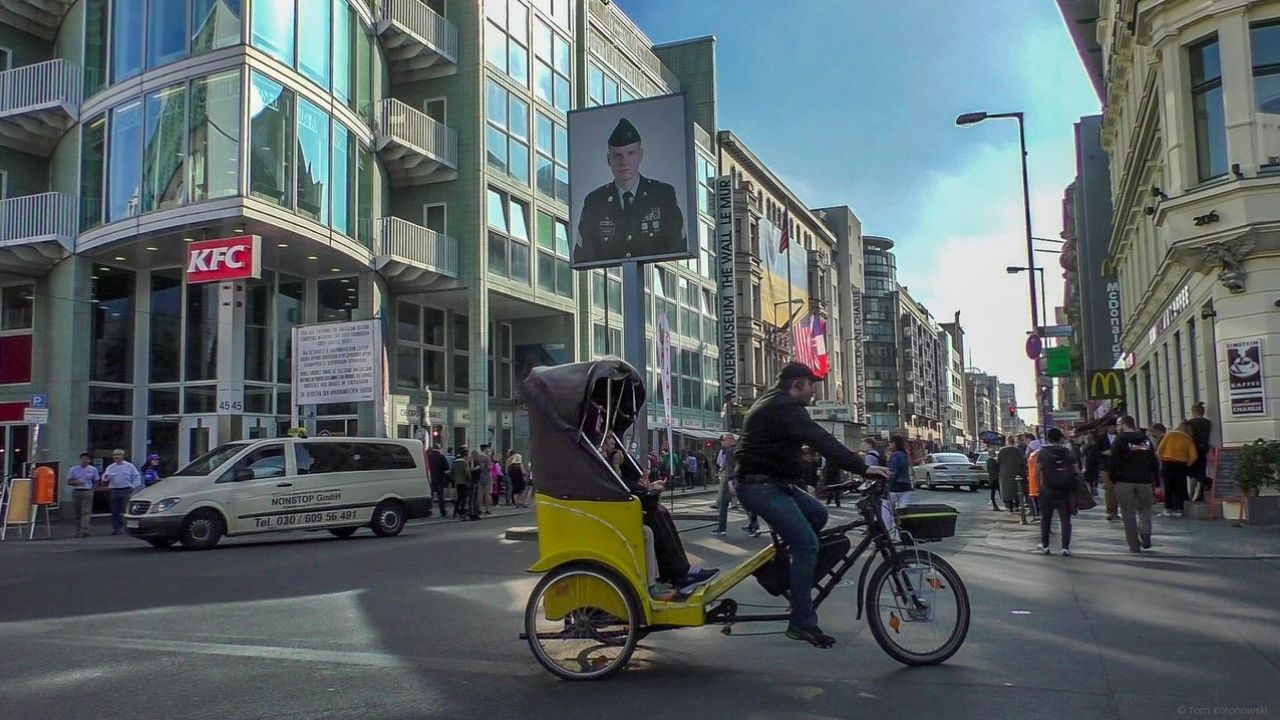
(918, 608)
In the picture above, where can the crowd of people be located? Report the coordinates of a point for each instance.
(476, 481)
(1131, 467)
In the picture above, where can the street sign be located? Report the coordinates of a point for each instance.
(1068, 415)
(1056, 331)
(1034, 346)
(1057, 361)
(40, 402)
(35, 416)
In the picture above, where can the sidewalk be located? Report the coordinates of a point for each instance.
(1093, 535)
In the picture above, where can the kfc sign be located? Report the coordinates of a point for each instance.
(234, 258)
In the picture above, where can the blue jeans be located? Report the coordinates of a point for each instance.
(797, 517)
(722, 505)
(119, 501)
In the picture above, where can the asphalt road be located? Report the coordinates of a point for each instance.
(425, 626)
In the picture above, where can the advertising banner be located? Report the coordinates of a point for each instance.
(631, 182)
(859, 359)
(773, 287)
(1245, 387)
(1095, 273)
(728, 312)
(664, 366)
(337, 362)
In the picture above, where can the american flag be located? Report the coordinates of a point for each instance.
(809, 343)
(785, 242)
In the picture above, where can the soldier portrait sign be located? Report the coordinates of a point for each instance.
(631, 182)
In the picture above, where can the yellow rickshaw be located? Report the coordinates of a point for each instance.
(586, 616)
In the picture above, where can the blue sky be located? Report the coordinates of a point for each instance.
(853, 103)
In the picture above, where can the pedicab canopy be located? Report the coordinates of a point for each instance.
(571, 409)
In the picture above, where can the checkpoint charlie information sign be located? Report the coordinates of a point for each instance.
(337, 362)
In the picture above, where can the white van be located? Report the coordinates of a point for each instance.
(259, 486)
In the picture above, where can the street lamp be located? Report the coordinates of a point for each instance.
(1044, 306)
(977, 117)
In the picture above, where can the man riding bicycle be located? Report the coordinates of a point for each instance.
(769, 470)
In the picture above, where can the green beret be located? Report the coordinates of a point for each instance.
(624, 134)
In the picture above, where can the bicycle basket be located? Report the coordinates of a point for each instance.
(928, 522)
(775, 576)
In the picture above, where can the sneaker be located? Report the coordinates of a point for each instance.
(662, 591)
(748, 529)
(718, 533)
(697, 575)
(812, 635)
(1066, 552)
(755, 533)
(1042, 549)
(1112, 518)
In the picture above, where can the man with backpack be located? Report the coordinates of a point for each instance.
(1058, 474)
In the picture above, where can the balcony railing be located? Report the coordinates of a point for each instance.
(36, 218)
(38, 104)
(414, 147)
(419, 43)
(405, 252)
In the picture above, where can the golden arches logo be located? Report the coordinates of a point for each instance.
(1105, 384)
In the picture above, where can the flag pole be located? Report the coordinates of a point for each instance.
(786, 233)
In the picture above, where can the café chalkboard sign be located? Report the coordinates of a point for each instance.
(1224, 472)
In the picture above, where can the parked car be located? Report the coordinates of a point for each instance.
(948, 470)
(981, 461)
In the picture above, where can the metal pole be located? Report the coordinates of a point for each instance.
(1031, 255)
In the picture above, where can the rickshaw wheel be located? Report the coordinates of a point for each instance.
(582, 622)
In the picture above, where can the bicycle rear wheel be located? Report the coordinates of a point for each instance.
(918, 608)
(582, 622)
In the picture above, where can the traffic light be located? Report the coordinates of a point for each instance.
(1013, 410)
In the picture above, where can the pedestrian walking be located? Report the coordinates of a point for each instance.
(993, 475)
(461, 471)
(871, 453)
(1177, 451)
(83, 478)
(438, 476)
(1058, 474)
(690, 469)
(1033, 484)
(480, 479)
(122, 478)
(1102, 457)
(899, 473)
(1133, 469)
(726, 461)
(1013, 465)
(515, 477)
(1201, 430)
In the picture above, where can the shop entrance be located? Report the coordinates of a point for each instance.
(15, 450)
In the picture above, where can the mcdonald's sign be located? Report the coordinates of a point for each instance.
(1105, 384)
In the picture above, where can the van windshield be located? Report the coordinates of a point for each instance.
(210, 461)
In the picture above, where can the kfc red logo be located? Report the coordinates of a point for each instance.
(234, 258)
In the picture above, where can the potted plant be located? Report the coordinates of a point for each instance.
(1258, 468)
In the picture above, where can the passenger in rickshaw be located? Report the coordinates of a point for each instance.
(669, 573)
(770, 464)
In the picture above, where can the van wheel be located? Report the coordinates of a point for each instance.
(343, 532)
(202, 530)
(388, 519)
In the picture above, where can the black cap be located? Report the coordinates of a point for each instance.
(795, 371)
(624, 134)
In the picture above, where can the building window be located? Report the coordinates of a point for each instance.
(92, 166)
(1264, 42)
(461, 345)
(507, 137)
(216, 24)
(508, 220)
(124, 171)
(1206, 105)
(127, 37)
(111, 345)
(214, 141)
(506, 38)
(554, 273)
(95, 46)
(420, 347)
(270, 141)
(314, 23)
(551, 70)
(313, 162)
(17, 318)
(164, 178)
(552, 173)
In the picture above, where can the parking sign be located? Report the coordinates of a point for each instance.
(39, 402)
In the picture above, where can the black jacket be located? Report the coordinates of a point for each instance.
(653, 225)
(437, 468)
(772, 434)
(1134, 459)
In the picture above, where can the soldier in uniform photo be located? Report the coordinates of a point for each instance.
(633, 216)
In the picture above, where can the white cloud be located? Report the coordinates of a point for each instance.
(970, 228)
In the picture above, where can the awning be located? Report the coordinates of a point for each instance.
(700, 434)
